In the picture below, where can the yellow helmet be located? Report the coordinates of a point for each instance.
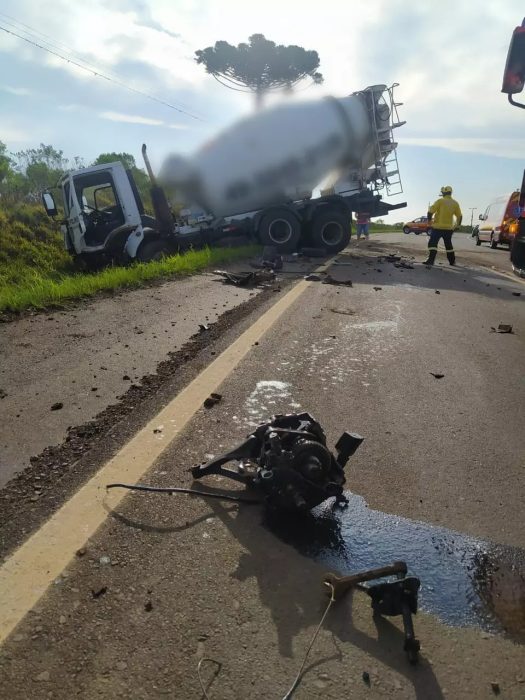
(447, 189)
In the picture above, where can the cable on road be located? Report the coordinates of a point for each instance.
(299, 675)
(192, 492)
(217, 671)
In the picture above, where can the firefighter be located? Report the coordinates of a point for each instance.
(441, 217)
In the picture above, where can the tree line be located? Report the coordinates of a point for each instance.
(24, 175)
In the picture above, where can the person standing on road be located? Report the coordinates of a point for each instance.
(441, 216)
(363, 221)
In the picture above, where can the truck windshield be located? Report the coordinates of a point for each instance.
(95, 191)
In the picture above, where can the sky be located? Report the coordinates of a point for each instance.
(448, 58)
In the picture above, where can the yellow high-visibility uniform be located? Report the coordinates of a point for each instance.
(444, 210)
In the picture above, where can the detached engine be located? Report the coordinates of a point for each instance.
(288, 461)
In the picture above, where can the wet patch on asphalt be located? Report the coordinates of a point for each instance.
(465, 581)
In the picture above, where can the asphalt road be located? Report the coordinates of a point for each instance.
(438, 481)
(466, 249)
(86, 357)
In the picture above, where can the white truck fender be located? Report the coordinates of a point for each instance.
(134, 240)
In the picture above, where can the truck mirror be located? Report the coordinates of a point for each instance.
(514, 75)
(49, 204)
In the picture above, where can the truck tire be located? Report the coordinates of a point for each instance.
(330, 230)
(152, 250)
(280, 229)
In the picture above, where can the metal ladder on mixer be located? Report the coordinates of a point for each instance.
(386, 146)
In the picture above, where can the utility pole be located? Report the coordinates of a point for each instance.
(472, 210)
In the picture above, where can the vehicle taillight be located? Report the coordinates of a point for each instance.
(513, 228)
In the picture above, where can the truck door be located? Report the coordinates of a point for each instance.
(75, 221)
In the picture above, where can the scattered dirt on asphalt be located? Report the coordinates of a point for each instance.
(32, 495)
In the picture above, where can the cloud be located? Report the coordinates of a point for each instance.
(19, 91)
(11, 134)
(69, 108)
(503, 148)
(130, 118)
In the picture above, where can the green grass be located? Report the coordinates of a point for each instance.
(24, 287)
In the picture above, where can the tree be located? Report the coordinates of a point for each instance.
(127, 160)
(5, 162)
(259, 66)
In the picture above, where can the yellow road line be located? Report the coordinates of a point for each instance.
(27, 573)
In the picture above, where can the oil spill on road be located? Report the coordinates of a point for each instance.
(464, 580)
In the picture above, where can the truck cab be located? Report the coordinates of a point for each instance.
(103, 213)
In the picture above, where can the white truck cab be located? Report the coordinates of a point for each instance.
(102, 211)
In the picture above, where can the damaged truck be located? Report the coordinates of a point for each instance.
(256, 179)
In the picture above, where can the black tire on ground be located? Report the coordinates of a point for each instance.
(493, 242)
(330, 229)
(406, 229)
(152, 250)
(478, 242)
(281, 229)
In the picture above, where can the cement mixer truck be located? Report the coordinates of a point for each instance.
(257, 179)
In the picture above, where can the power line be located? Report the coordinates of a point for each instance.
(35, 35)
(97, 73)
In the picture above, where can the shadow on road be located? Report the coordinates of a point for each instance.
(290, 586)
(369, 266)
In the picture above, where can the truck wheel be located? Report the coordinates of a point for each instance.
(331, 230)
(152, 250)
(280, 229)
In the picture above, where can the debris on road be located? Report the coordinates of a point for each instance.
(502, 328)
(377, 289)
(312, 278)
(437, 291)
(57, 406)
(437, 375)
(495, 688)
(313, 252)
(516, 294)
(345, 312)
(247, 279)
(158, 429)
(271, 259)
(287, 459)
(366, 677)
(99, 592)
(343, 283)
(212, 399)
(404, 264)
(203, 327)
(389, 598)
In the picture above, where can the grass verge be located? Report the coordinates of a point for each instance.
(36, 289)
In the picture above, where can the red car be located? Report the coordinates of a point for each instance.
(417, 226)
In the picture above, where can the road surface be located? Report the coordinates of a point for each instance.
(162, 582)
